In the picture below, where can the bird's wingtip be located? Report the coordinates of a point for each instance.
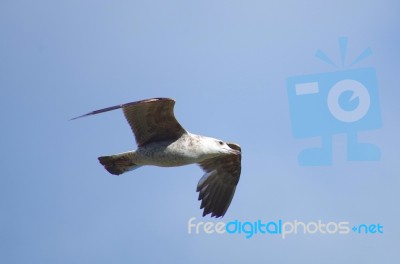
(74, 118)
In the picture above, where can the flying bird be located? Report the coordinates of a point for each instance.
(163, 142)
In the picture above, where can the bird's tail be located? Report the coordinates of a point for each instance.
(119, 163)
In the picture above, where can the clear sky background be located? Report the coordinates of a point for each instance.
(226, 64)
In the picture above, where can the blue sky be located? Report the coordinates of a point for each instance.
(226, 64)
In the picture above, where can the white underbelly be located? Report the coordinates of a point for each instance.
(167, 155)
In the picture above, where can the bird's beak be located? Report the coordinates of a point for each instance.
(234, 151)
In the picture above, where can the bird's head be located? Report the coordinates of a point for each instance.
(216, 147)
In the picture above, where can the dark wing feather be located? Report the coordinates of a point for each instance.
(217, 187)
(151, 120)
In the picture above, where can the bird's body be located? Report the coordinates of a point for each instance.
(163, 142)
(188, 149)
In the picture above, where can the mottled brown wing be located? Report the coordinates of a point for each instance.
(217, 187)
(153, 120)
(150, 120)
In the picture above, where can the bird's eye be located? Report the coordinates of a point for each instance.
(221, 143)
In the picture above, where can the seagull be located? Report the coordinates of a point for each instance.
(163, 142)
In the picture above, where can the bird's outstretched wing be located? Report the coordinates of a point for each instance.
(151, 120)
(217, 187)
